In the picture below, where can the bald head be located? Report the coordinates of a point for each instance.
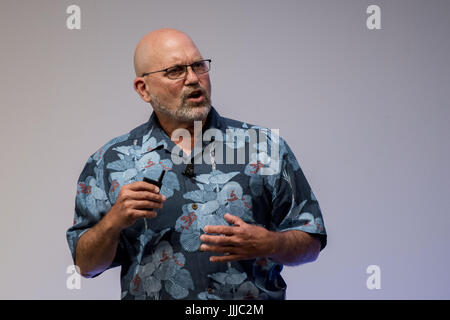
(159, 47)
(175, 101)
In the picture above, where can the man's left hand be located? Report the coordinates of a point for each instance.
(241, 241)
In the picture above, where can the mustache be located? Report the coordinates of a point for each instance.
(186, 94)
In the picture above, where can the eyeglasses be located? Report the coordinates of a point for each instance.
(179, 71)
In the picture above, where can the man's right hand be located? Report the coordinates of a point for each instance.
(97, 247)
(136, 200)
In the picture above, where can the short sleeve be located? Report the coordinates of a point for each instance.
(91, 204)
(294, 205)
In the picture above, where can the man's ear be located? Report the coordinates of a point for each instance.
(141, 88)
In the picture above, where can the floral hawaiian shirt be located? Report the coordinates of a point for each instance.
(160, 257)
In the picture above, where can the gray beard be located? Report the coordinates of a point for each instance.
(186, 112)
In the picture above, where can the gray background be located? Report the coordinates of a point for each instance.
(366, 113)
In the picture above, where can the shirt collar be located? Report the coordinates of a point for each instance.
(213, 120)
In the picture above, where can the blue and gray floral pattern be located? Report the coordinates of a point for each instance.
(135, 162)
(216, 196)
(162, 270)
(160, 257)
(230, 285)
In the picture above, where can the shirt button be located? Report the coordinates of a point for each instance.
(194, 206)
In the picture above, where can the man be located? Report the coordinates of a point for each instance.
(215, 229)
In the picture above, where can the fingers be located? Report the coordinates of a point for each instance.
(144, 214)
(219, 240)
(233, 219)
(145, 195)
(227, 258)
(143, 186)
(137, 200)
(226, 230)
(130, 192)
(230, 253)
(219, 249)
(145, 204)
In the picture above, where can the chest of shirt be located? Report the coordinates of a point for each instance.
(197, 199)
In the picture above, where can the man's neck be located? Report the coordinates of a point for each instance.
(169, 125)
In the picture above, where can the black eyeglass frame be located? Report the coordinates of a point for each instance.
(181, 65)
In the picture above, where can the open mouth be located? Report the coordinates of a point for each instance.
(195, 94)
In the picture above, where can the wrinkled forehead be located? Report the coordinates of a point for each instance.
(172, 51)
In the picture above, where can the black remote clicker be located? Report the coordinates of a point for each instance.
(156, 183)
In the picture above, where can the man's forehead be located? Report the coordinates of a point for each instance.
(176, 53)
(163, 48)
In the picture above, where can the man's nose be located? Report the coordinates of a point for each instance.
(191, 76)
